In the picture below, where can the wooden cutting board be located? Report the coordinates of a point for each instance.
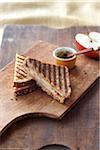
(39, 103)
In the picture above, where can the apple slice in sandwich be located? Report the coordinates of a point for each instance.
(84, 41)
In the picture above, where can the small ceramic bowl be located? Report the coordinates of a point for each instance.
(69, 62)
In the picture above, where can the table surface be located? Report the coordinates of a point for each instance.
(79, 129)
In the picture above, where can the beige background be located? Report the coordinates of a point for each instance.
(57, 13)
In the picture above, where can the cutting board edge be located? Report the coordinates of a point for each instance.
(81, 96)
(26, 115)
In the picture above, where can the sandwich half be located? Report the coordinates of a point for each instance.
(23, 83)
(51, 78)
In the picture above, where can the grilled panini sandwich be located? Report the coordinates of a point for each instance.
(51, 78)
(23, 83)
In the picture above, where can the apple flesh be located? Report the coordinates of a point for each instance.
(83, 41)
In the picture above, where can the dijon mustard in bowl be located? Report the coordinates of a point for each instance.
(61, 56)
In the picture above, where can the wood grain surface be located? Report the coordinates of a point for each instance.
(38, 102)
(79, 128)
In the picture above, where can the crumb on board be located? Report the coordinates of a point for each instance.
(85, 72)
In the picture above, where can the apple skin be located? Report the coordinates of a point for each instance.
(94, 54)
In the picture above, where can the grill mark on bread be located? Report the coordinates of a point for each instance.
(65, 76)
(26, 63)
(43, 69)
(62, 79)
(34, 63)
(49, 73)
(39, 67)
(30, 60)
(20, 69)
(19, 77)
(52, 74)
(67, 79)
(22, 58)
(57, 78)
(20, 74)
(65, 83)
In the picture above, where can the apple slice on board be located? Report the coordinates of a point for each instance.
(92, 40)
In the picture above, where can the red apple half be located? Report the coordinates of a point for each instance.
(92, 40)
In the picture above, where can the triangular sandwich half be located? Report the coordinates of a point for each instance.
(51, 78)
(23, 83)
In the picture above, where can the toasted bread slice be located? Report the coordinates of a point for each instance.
(51, 78)
(23, 83)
